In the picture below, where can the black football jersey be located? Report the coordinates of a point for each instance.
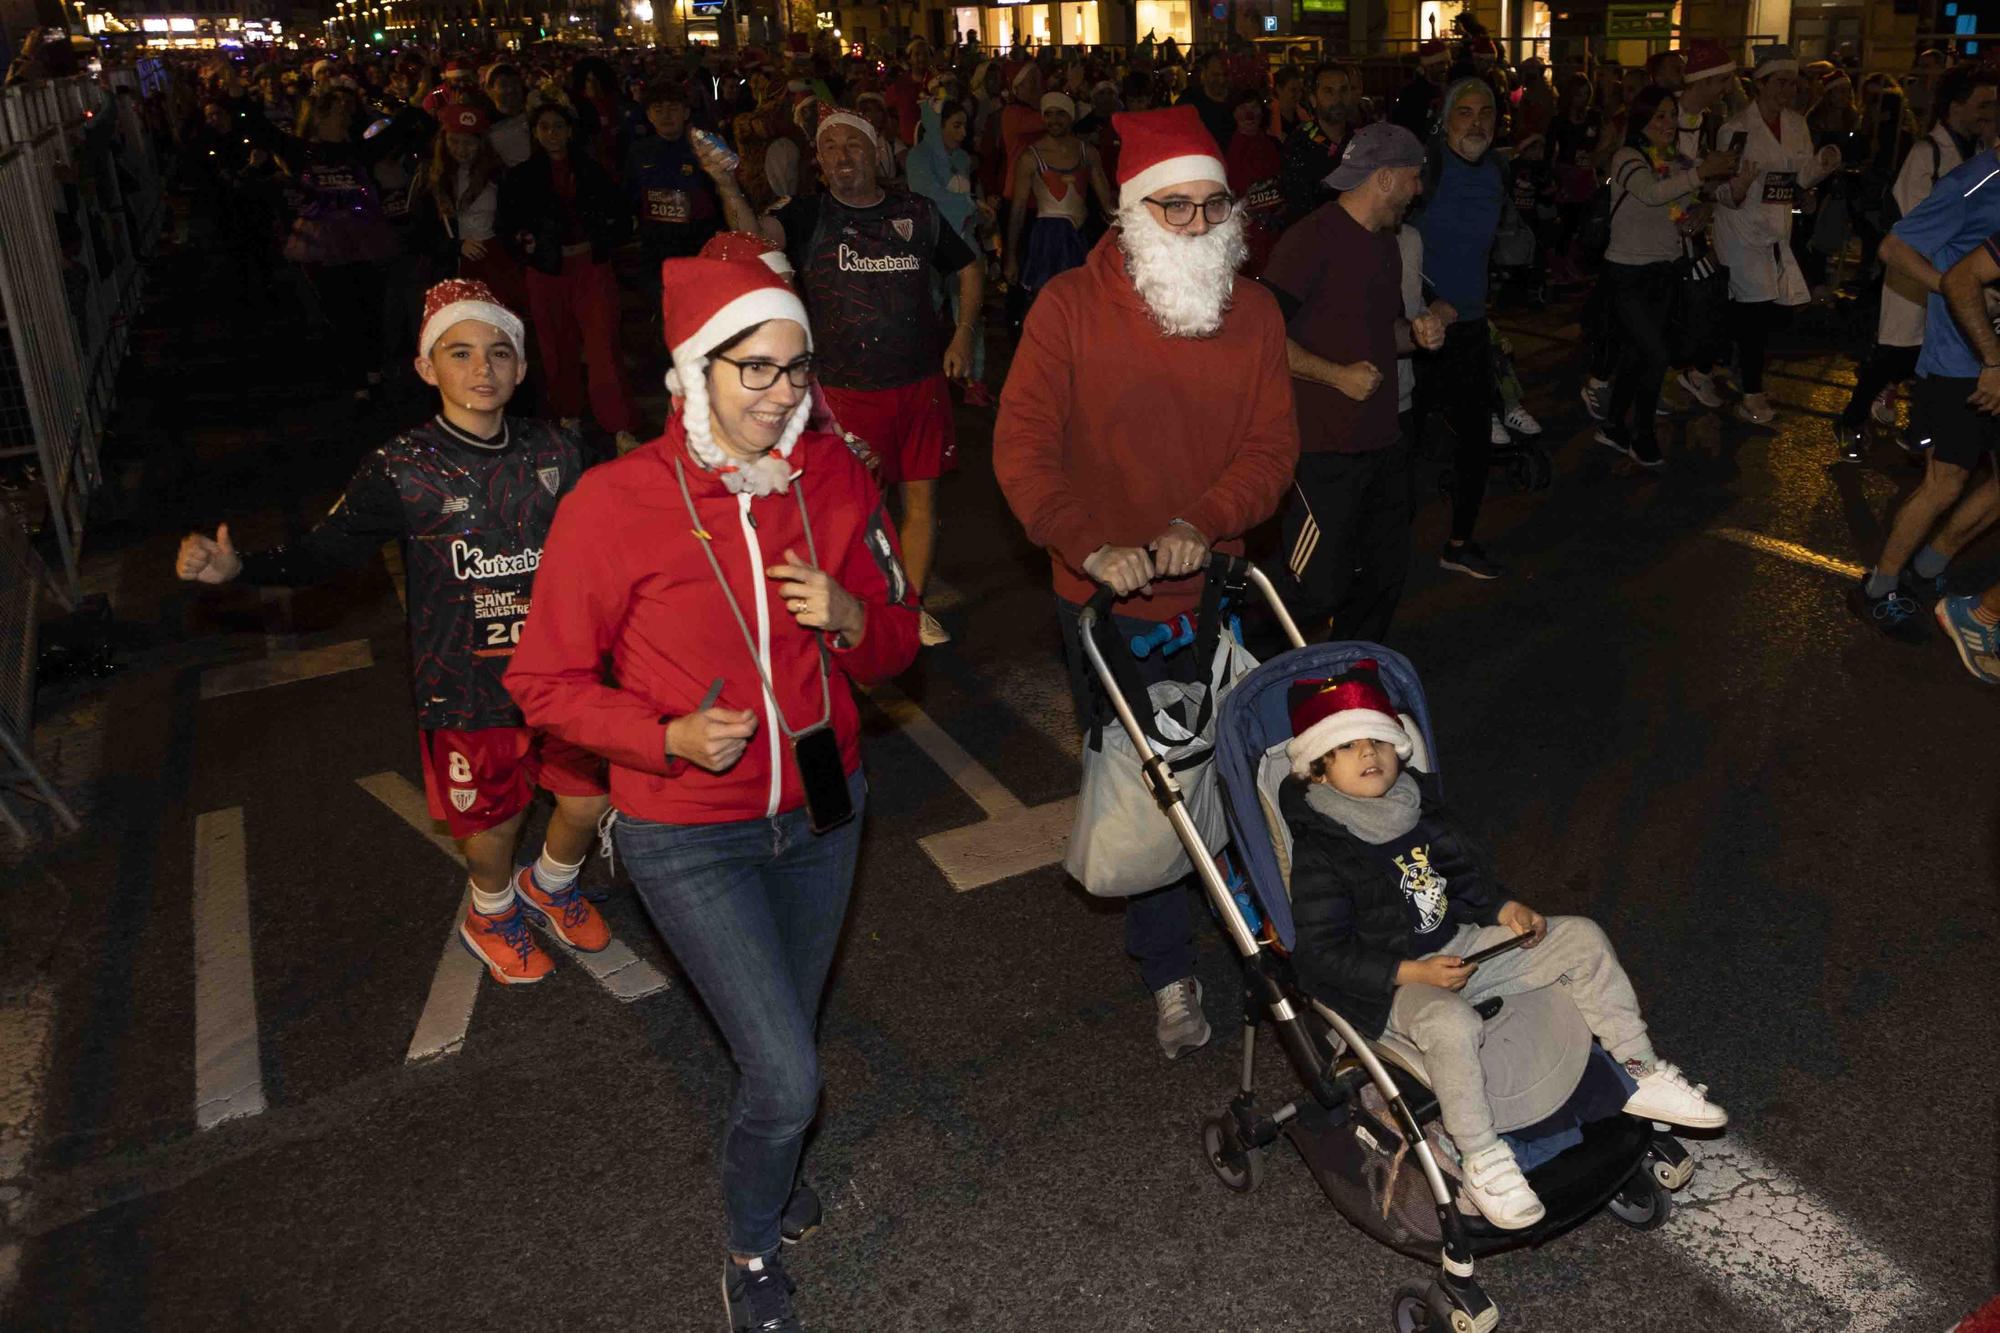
(472, 516)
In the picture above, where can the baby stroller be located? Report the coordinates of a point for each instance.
(1367, 1125)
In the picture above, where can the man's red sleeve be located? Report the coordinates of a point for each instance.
(1028, 438)
(871, 569)
(1249, 489)
(557, 676)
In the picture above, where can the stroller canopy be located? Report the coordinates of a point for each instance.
(1255, 717)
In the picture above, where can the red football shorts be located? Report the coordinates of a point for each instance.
(909, 427)
(477, 780)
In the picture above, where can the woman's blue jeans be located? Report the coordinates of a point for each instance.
(752, 911)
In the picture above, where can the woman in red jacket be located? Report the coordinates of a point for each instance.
(735, 575)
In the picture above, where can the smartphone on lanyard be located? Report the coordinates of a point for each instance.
(816, 751)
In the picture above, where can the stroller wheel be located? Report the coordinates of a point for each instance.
(1238, 1167)
(1670, 1163)
(1642, 1203)
(1423, 1307)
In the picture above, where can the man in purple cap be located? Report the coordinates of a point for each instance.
(1338, 277)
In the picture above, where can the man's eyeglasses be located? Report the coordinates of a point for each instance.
(1179, 212)
(760, 375)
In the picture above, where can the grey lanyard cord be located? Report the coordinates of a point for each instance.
(708, 549)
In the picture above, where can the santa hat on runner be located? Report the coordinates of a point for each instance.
(458, 299)
(748, 247)
(1774, 59)
(1352, 706)
(463, 118)
(1164, 147)
(1704, 58)
(705, 303)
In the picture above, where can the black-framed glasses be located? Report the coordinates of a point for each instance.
(1179, 212)
(760, 375)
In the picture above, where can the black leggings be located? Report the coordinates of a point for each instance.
(1885, 366)
(1639, 299)
(1754, 322)
(1461, 380)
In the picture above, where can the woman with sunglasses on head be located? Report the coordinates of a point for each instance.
(738, 574)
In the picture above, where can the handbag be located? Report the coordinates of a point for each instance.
(1121, 843)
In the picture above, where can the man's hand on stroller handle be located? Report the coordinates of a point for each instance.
(1123, 569)
(1524, 920)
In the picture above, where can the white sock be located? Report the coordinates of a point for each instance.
(492, 904)
(551, 875)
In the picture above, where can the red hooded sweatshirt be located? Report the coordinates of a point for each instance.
(624, 594)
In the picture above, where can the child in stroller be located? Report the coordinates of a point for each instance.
(1390, 895)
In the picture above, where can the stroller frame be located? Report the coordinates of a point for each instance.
(1236, 1142)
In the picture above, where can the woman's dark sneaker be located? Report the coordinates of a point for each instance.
(1470, 559)
(1895, 614)
(1611, 437)
(758, 1296)
(1645, 451)
(801, 1216)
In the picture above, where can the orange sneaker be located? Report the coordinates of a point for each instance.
(568, 915)
(506, 945)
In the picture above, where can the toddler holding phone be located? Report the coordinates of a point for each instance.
(1390, 894)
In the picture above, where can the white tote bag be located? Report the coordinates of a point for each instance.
(1121, 843)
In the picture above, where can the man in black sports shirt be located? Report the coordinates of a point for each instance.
(470, 494)
(864, 258)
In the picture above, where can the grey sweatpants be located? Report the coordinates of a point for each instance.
(1443, 1025)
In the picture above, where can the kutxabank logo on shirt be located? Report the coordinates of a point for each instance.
(853, 261)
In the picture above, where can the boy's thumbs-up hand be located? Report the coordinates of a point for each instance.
(201, 560)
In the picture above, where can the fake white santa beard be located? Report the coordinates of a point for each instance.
(1185, 281)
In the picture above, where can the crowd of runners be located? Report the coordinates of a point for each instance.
(1212, 304)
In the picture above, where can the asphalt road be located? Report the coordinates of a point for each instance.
(1665, 719)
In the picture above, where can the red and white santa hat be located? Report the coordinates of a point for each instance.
(705, 303)
(742, 246)
(458, 299)
(1704, 58)
(1162, 148)
(1352, 706)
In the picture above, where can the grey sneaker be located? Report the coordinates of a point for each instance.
(1182, 1027)
(758, 1296)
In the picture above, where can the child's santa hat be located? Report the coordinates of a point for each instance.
(706, 302)
(1161, 148)
(1352, 706)
(746, 246)
(457, 299)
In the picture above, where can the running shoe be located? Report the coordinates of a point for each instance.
(1597, 400)
(1928, 591)
(567, 915)
(1883, 409)
(1895, 614)
(1180, 1025)
(931, 634)
(1978, 643)
(801, 1216)
(1468, 558)
(758, 1296)
(1849, 439)
(1518, 420)
(1645, 451)
(506, 946)
(1756, 409)
(1915, 445)
(1612, 438)
(1497, 432)
(1700, 387)
(1665, 1093)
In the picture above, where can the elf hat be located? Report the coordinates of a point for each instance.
(458, 299)
(1705, 59)
(463, 118)
(1348, 707)
(744, 246)
(705, 303)
(1162, 148)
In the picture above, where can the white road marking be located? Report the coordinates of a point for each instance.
(1792, 551)
(228, 1068)
(286, 668)
(448, 1012)
(1011, 840)
(1772, 1243)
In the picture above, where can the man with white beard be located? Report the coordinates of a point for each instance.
(1147, 420)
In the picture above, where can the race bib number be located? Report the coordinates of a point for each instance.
(667, 206)
(498, 617)
(1780, 186)
(1263, 196)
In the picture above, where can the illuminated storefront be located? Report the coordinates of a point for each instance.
(1005, 23)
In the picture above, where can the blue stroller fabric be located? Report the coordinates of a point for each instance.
(1255, 717)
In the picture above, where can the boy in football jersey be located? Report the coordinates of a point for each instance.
(470, 495)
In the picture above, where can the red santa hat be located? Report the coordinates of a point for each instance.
(1704, 58)
(705, 303)
(744, 246)
(457, 299)
(1329, 713)
(1161, 148)
(1434, 49)
(463, 118)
